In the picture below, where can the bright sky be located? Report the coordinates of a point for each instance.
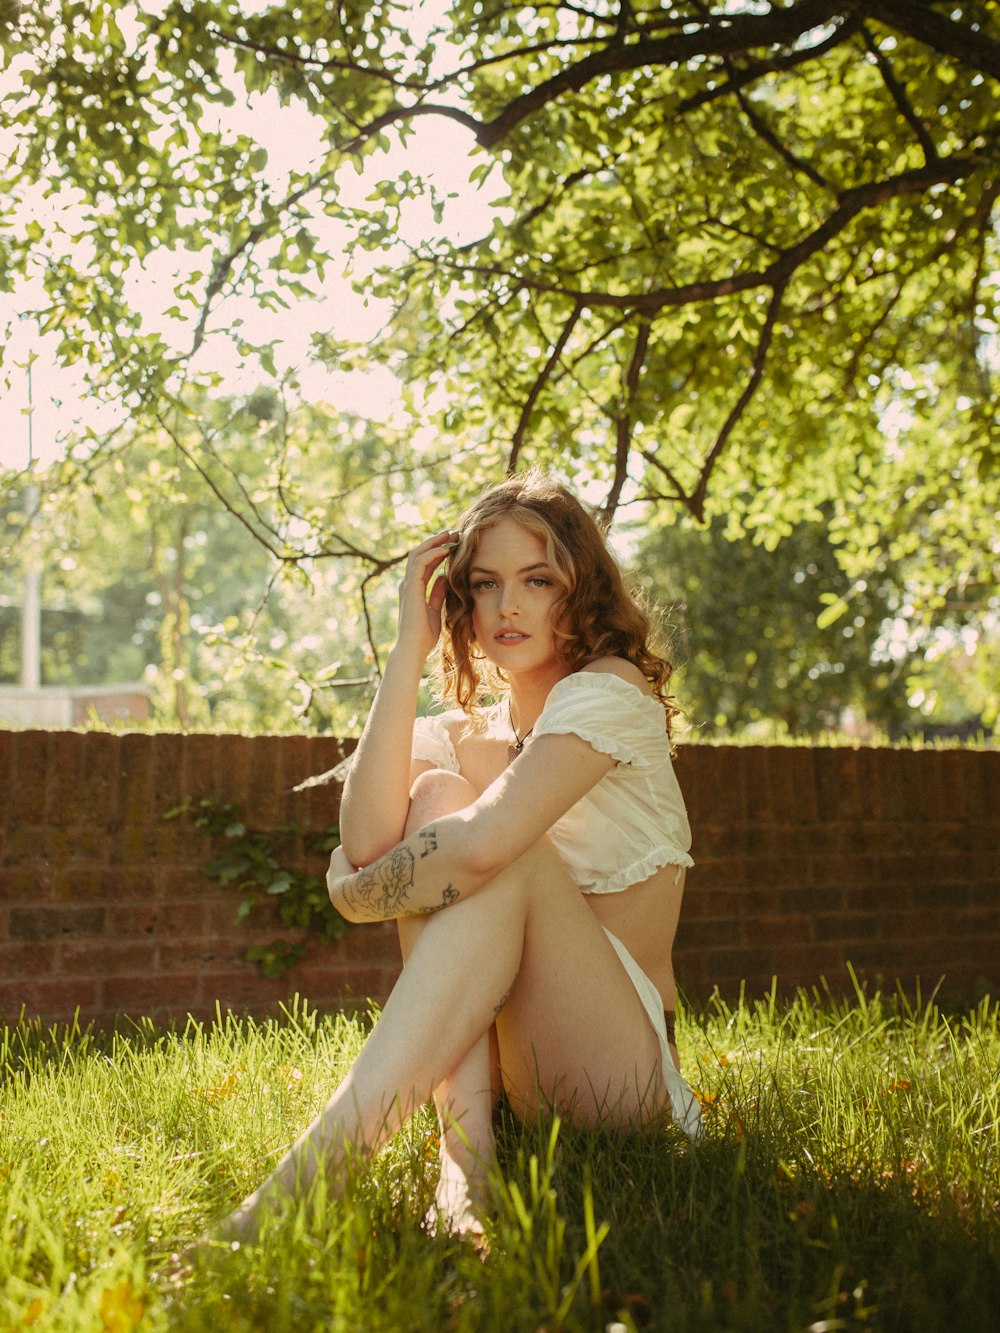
(438, 149)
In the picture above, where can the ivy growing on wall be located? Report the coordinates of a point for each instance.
(253, 862)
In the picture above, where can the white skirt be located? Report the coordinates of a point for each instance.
(686, 1111)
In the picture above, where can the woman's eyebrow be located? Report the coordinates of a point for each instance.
(542, 564)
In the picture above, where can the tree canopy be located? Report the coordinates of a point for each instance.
(741, 260)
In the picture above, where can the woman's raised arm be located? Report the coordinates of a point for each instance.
(376, 796)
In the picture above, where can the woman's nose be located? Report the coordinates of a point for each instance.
(508, 601)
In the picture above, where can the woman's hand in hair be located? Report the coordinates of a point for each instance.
(421, 594)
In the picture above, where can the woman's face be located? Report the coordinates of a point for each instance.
(514, 590)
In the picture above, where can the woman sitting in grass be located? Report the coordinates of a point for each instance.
(532, 853)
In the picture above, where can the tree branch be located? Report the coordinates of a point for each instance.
(697, 499)
(340, 65)
(679, 492)
(624, 422)
(850, 203)
(750, 73)
(536, 388)
(721, 35)
(899, 97)
(763, 131)
(916, 19)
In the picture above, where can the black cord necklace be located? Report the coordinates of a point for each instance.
(514, 750)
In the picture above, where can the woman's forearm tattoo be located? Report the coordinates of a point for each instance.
(449, 895)
(381, 889)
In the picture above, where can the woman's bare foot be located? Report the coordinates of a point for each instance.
(461, 1203)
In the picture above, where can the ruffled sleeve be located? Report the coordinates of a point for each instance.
(611, 714)
(432, 743)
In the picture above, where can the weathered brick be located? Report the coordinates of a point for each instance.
(706, 932)
(264, 795)
(770, 873)
(201, 755)
(710, 799)
(233, 770)
(6, 776)
(981, 786)
(158, 996)
(243, 988)
(319, 806)
(891, 787)
(786, 929)
(774, 870)
(26, 958)
(714, 903)
(158, 920)
(756, 782)
(926, 795)
(100, 772)
(107, 958)
(30, 771)
(847, 926)
(65, 803)
(877, 896)
(853, 803)
(45, 923)
(711, 873)
(51, 999)
(295, 759)
(19, 883)
(136, 760)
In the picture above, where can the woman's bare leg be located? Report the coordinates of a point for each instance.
(466, 1099)
(573, 1032)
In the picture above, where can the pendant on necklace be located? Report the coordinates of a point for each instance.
(514, 750)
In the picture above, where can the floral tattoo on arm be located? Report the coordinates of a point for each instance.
(381, 891)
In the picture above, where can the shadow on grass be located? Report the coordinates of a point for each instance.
(647, 1231)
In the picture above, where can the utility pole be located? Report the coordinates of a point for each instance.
(31, 610)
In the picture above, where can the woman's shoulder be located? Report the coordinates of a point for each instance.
(621, 669)
(614, 678)
(609, 704)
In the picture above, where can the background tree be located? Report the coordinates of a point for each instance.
(751, 643)
(743, 259)
(148, 576)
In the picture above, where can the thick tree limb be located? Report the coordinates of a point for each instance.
(925, 24)
(850, 203)
(753, 71)
(725, 36)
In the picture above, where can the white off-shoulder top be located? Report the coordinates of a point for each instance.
(633, 822)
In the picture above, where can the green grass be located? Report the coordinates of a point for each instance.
(849, 1178)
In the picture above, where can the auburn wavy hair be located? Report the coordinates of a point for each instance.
(598, 614)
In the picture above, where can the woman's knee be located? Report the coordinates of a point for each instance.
(435, 793)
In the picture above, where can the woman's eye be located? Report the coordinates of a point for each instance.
(482, 584)
(539, 582)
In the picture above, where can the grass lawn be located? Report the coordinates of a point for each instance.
(849, 1178)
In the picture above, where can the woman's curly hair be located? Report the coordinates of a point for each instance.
(598, 614)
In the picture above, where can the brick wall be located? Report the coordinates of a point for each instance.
(807, 859)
